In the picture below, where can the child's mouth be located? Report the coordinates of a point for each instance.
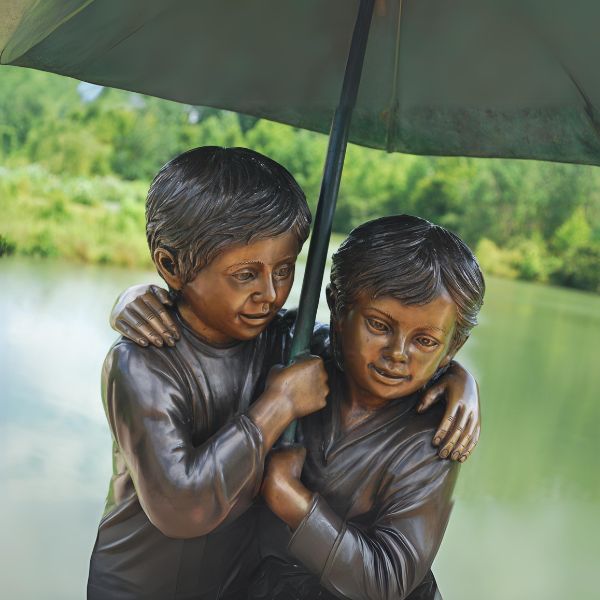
(255, 319)
(390, 374)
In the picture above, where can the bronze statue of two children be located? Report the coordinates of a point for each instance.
(202, 504)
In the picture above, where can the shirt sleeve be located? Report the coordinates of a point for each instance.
(185, 490)
(388, 559)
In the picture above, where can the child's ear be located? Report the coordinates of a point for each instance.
(165, 263)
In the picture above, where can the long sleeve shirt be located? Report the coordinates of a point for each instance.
(382, 503)
(187, 463)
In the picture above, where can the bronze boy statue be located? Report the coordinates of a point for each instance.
(369, 507)
(224, 228)
(192, 423)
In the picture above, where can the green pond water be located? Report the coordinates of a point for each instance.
(526, 521)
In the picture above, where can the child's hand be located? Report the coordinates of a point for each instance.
(459, 430)
(303, 384)
(140, 315)
(282, 489)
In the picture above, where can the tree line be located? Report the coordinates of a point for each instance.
(76, 163)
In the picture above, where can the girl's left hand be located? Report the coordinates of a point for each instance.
(459, 430)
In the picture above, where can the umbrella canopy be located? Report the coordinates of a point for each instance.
(489, 78)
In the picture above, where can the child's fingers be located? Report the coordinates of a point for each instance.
(445, 426)
(138, 322)
(471, 445)
(430, 397)
(165, 300)
(161, 294)
(464, 440)
(130, 333)
(165, 316)
(464, 457)
(459, 448)
(158, 318)
(147, 315)
(458, 427)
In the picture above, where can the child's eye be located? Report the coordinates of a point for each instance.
(427, 342)
(243, 275)
(283, 272)
(378, 326)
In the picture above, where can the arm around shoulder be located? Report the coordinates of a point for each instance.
(140, 314)
(185, 490)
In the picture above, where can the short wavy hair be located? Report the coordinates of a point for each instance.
(210, 198)
(413, 261)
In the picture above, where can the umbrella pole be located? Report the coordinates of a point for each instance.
(330, 185)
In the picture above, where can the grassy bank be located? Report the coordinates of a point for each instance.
(92, 220)
(98, 220)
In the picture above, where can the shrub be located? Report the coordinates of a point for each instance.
(580, 268)
(7, 247)
(496, 261)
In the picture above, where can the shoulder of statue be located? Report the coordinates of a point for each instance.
(128, 358)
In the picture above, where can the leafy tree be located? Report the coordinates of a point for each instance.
(574, 233)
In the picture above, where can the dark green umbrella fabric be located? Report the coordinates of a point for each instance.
(446, 77)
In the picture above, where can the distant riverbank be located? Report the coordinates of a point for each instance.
(100, 220)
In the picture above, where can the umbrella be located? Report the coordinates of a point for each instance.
(492, 78)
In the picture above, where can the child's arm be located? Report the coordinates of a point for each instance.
(187, 488)
(141, 315)
(459, 429)
(378, 562)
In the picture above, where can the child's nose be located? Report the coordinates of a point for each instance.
(396, 351)
(266, 292)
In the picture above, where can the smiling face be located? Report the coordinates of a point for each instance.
(392, 349)
(240, 291)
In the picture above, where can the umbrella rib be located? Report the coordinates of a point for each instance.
(126, 37)
(393, 109)
(590, 109)
(140, 26)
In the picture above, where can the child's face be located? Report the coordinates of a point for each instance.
(391, 349)
(239, 293)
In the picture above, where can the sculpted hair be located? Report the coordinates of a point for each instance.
(210, 198)
(413, 261)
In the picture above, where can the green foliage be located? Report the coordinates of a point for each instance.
(70, 152)
(74, 218)
(7, 247)
(494, 260)
(532, 261)
(76, 173)
(574, 233)
(580, 269)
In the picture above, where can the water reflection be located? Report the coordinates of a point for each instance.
(526, 518)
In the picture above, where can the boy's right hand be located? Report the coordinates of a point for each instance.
(303, 384)
(140, 315)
